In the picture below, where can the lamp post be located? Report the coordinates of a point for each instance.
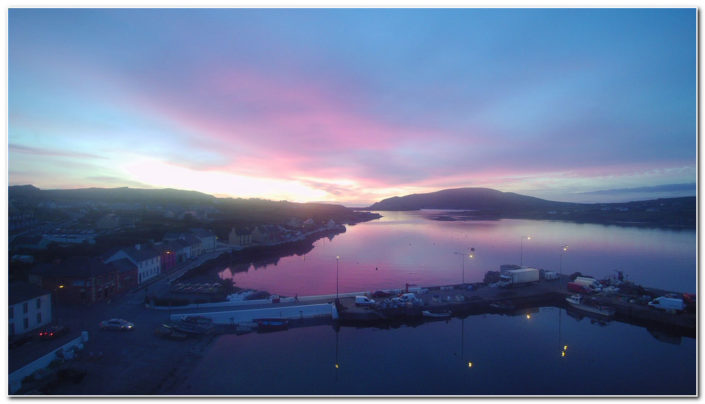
(521, 258)
(564, 249)
(337, 260)
(471, 254)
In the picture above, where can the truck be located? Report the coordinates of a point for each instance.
(579, 288)
(550, 276)
(667, 303)
(518, 277)
(591, 283)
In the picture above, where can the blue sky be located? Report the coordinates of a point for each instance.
(355, 105)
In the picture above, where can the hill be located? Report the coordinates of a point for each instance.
(470, 199)
(484, 203)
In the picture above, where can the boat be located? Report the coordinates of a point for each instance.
(169, 332)
(580, 303)
(427, 313)
(271, 324)
(194, 325)
(503, 306)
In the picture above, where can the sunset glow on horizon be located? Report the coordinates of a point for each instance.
(355, 105)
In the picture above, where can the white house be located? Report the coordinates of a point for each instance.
(206, 237)
(240, 237)
(145, 257)
(30, 307)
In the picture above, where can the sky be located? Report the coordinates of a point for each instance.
(355, 105)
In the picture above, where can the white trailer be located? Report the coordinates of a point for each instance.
(518, 277)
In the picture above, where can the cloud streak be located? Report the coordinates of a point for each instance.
(357, 105)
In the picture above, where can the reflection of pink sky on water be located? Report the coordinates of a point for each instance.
(404, 247)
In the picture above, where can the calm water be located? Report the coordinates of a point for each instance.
(406, 247)
(510, 355)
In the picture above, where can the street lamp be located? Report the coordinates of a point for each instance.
(469, 255)
(521, 258)
(564, 249)
(337, 260)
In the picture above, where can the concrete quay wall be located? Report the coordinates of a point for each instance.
(324, 310)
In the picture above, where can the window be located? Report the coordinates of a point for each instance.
(25, 307)
(26, 323)
(39, 303)
(39, 318)
(12, 313)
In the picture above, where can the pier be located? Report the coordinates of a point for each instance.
(455, 300)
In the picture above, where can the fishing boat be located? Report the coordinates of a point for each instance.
(194, 325)
(580, 303)
(271, 324)
(427, 313)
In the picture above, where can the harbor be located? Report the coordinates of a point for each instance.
(413, 303)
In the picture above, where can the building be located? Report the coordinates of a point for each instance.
(240, 237)
(207, 239)
(167, 255)
(29, 307)
(84, 280)
(146, 258)
(182, 249)
(125, 274)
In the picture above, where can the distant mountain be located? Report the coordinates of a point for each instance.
(484, 203)
(124, 194)
(470, 199)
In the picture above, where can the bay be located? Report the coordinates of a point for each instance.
(407, 247)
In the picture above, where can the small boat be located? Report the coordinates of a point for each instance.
(271, 324)
(194, 325)
(243, 329)
(503, 306)
(427, 313)
(580, 303)
(169, 332)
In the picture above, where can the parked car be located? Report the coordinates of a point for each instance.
(381, 293)
(53, 331)
(116, 324)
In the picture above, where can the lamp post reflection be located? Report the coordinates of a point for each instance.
(337, 342)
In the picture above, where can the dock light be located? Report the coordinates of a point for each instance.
(469, 364)
(562, 354)
(61, 286)
(337, 366)
(528, 316)
(565, 347)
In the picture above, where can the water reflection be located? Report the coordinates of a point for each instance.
(474, 355)
(406, 247)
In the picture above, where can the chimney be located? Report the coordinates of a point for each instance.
(137, 247)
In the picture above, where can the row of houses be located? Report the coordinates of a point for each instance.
(271, 234)
(93, 279)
